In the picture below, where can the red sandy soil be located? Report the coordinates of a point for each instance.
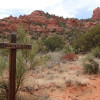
(86, 91)
(83, 92)
(95, 86)
(90, 92)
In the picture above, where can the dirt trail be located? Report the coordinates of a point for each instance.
(95, 87)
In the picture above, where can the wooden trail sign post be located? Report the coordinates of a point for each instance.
(12, 46)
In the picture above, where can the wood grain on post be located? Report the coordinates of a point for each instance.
(12, 70)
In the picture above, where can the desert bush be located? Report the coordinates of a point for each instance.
(68, 49)
(3, 90)
(22, 34)
(73, 34)
(89, 40)
(54, 42)
(28, 55)
(3, 84)
(96, 52)
(41, 47)
(3, 64)
(90, 66)
(21, 68)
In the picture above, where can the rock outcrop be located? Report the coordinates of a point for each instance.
(96, 13)
(73, 22)
(39, 22)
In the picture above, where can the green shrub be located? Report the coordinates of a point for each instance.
(3, 64)
(96, 52)
(41, 47)
(3, 84)
(21, 68)
(68, 49)
(90, 66)
(3, 90)
(54, 43)
(89, 40)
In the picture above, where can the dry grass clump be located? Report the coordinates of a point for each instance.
(54, 59)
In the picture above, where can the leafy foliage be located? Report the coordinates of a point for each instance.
(90, 65)
(20, 69)
(96, 52)
(22, 35)
(54, 42)
(68, 49)
(3, 64)
(89, 40)
(72, 34)
(3, 90)
(3, 84)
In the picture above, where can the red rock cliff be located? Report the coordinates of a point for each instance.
(96, 13)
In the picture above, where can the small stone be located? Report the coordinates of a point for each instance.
(47, 85)
(68, 85)
(36, 87)
(52, 84)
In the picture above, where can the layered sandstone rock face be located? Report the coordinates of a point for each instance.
(73, 22)
(96, 13)
(40, 22)
(90, 24)
(37, 21)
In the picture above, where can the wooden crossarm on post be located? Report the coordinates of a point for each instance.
(14, 46)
